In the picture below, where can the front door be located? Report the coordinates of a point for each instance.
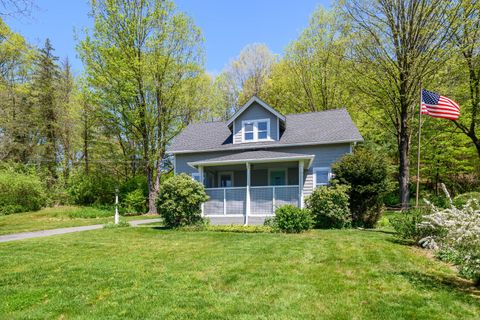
(225, 179)
(277, 178)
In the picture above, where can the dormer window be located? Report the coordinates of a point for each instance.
(256, 130)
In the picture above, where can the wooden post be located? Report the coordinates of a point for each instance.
(418, 151)
(300, 183)
(247, 200)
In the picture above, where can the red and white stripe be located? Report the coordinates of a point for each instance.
(446, 109)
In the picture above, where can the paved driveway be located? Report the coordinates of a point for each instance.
(46, 233)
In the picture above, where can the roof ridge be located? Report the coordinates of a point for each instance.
(312, 112)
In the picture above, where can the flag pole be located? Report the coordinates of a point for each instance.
(418, 149)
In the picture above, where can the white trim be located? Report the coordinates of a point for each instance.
(247, 193)
(285, 186)
(285, 173)
(249, 103)
(300, 183)
(225, 173)
(233, 133)
(228, 188)
(315, 176)
(174, 165)
(255, 130)
(196, 174)
(278, 129)
(275, 145)
(264, 160)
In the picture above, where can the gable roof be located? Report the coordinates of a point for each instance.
(325, 127)
(249, 103)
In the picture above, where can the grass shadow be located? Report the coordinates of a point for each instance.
(440, 282)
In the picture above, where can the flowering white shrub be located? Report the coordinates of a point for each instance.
(456, 235)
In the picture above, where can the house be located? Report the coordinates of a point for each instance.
(260, 159)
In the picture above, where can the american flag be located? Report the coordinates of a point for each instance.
(438, 106)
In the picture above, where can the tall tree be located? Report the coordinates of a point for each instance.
(467, 40)
(245, 76)
(398, 44)
(311, 76)
(140, 59)
(44, 85)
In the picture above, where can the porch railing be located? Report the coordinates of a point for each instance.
(263, 200)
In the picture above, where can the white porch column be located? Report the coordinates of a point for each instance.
(200, 170)
(247, 200)
(300, 183)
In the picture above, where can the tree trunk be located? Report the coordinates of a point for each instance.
(404, 165)
(152, 192)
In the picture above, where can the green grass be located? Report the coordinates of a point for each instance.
(57, 217)
(150, 273)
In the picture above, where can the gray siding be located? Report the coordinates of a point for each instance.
(255, 111)
(325, 156)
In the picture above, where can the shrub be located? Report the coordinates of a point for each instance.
(462, 199)
(457, 236)
(96, 188)
(329, 207)
(135, 202)
(406, 225)
(291, 219)
(179, 201)
(367, 175)
(20, 192)
(138, 182)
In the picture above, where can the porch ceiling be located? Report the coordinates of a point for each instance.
(259, 156)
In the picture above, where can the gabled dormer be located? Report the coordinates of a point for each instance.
(256, 121)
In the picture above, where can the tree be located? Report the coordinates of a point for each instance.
(245, 76)
(17, 134)
(311, 76)
(140, 60)
(467, 40)
(397, 45)
(45, 77)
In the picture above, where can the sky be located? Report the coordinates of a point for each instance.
(227, 26)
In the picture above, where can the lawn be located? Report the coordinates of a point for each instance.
(57, 217)
(150, 273)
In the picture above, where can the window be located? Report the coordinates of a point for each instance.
(225, 179)
(321, 176)
(248, 131)
(256, 130)
(196, 176)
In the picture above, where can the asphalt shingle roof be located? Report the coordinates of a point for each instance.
(256, 155)
(325, 127)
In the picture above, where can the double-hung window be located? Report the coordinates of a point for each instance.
(256, 130)
(322, 176)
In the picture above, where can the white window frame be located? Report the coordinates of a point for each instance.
(278, 169)
(328, 169)
(255, 130)
(225, 173)
(196, 174)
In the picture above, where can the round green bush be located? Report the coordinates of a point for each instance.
(329, 207)
(366, 172)
(462, 199)
(20, 192)
(180, 200)
(291, 219)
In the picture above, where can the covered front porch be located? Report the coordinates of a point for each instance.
(246, 191)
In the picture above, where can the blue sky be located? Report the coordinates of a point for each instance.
(227, 26)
